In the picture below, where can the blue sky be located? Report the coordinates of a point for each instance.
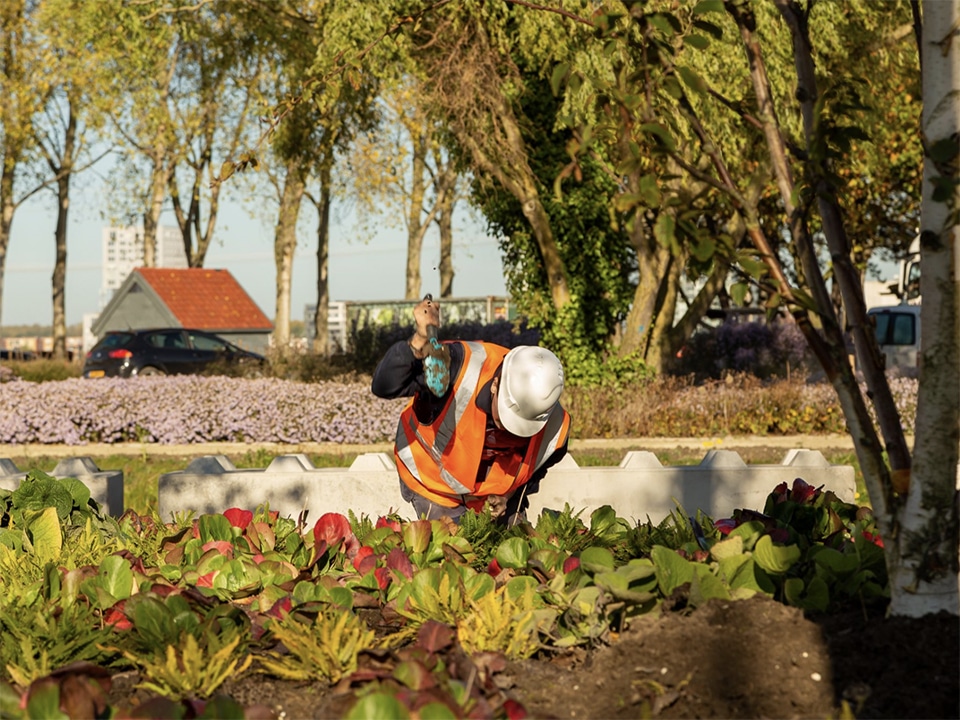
(372, 270)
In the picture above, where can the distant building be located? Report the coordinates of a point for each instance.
(194, 298)
(346, 316)
(123, 251)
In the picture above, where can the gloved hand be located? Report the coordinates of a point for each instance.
(426, 319)
(426, 346)
(497, 505)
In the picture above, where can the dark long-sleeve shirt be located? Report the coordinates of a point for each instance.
(400, 374)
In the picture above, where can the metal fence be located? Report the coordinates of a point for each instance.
(350, 315)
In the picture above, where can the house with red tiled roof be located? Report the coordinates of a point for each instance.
(193, 298)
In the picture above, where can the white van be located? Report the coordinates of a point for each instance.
(898, 334)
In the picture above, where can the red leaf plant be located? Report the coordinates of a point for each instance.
(365, 560)
(383, 577)
(388, 522)
(221, 546)
(397, 560)
(238, 518)
(334, 528)
(802, 492)
(116, 616)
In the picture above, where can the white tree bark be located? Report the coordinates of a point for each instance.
(926, 579)
(284, 247)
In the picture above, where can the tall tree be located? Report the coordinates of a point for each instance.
(285, 243)
(925, 546)
(24, 88)
(68, 126)
(447, 182)
(185, 80)
(801, 162)
(315, 127)
(469, 78)
(323, 202)
(212, 105)
(402, 164)
(143, 54)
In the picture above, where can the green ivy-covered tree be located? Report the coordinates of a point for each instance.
(594, 250)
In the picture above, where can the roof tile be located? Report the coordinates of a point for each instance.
(205, 299)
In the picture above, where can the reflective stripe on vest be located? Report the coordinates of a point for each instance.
(552, 432)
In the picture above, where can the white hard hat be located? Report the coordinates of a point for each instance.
(530, 385)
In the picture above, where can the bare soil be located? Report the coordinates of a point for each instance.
(748, 659)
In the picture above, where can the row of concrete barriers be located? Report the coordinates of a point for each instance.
(640, 487)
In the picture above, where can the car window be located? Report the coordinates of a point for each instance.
(895, 328)
(113, 340)
(170, 340)
(903, 329)
(209, 343)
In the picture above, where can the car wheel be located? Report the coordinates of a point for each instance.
(150, 370)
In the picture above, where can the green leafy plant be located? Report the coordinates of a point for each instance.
(37, 638)
(442, 593)
(113, 582)
(676, 531)
(192, 668)
(509, 620)
(38, 491)
(324, 649)
(816, 550)
(182, 648)
(483, 535)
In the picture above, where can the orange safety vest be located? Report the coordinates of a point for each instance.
(440, 461)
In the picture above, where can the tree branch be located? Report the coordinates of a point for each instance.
(546, 8)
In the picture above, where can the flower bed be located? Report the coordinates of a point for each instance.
(404, 612)
(195, 409)
(192, 409)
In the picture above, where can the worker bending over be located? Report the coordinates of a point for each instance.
(483, 425)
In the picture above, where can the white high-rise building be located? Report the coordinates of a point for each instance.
(123, 251)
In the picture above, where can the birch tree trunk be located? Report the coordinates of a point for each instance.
(926, 546)
(445, 223)
(59, 280)
(416, 228)
(321, 325)
(285, 244)
(7, 207)
(158, 193)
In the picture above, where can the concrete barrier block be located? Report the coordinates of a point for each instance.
(714, 489)
(722, 458)
(106, 486)
(290, 463)
(640, 488)
(566, 463)
(373, 462)
(211, 465)
(640, 460)
(75, 467)
(799, 457)
(287, 489)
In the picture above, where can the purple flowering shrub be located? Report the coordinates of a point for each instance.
(762, 349)
(739, 405)
(194, 409)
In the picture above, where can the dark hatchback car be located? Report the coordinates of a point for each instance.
(168, 351)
